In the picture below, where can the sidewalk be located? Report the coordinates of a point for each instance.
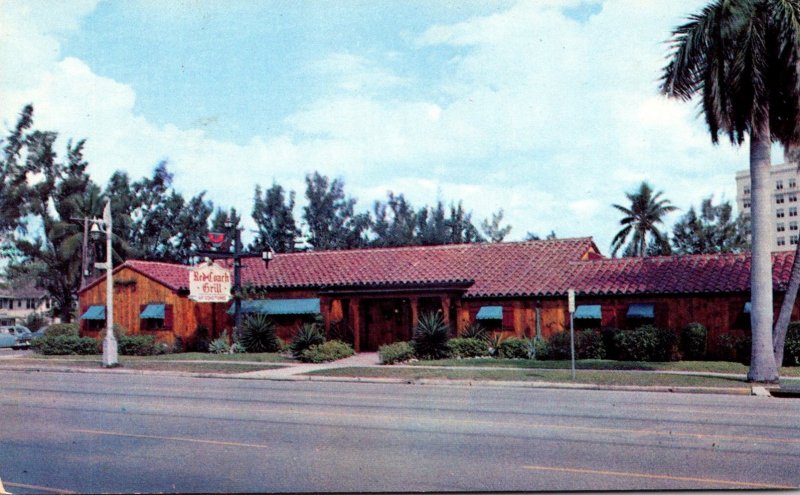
(292, 370)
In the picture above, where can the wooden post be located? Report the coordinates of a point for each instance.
(459, 319)
(355, 322)
(414, 312)
(325, 307)
(446, 309)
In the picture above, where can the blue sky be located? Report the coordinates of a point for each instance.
(547, 109)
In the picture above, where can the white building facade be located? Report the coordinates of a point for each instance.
(784, 200)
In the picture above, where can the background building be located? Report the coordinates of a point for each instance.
(17, 303)
(784, 201)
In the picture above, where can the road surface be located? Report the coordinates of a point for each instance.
(100, 432)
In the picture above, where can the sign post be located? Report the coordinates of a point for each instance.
(571, 304)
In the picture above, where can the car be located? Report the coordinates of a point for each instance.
(15, 337)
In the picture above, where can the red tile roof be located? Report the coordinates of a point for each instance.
(534, 268)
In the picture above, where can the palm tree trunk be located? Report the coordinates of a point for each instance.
(762, 361)
(782, 325)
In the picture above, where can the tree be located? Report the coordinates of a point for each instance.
(274, 218)
(492, 230)
(712, 231)
(741, 57)
(640, 222)
(330, 216)
(395, 222)
(533, 236)
(14, 174)
(460, 229)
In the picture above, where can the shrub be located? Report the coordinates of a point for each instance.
(694, 338)
(513, 348)
(646, 343)
(475, 331)
(395, 353)
(734, 348)
(791, 348)
(589, 345)
(431, 336)
(34, 321)
(258, 334)
(327, 351)
(237, 348)
(559, 346)
(200, 341)
(468, 347)
(538, 349)
(57, 329)
(307, 335)
(339, 330)
(136, 345)
(495, 340)
(65, 344)
(608, 335)
(220, 344)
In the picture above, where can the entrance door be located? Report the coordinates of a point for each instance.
(387, 321)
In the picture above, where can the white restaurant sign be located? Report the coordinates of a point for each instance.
(209, 283)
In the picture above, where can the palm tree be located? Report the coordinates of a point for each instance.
(640, 221)
(741, 57)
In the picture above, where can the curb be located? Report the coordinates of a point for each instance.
(403, 381)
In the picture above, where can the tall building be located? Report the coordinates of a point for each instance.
(784, 181)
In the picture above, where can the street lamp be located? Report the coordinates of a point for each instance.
(100, 228)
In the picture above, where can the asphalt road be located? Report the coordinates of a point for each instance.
(144, 433)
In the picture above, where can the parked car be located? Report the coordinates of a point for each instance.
(15, 337)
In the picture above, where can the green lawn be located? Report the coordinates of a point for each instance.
(264, 357)
(143, 363)
(596, 377)
(604, 364)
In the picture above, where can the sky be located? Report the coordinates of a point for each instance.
(547, 109)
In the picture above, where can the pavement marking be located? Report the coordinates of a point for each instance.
(38, 488)
(177, 439)
(661, 477)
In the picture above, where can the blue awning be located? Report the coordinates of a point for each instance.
(490, 313)
(641, 311)
(97, 312)
(153, 312)
(747, 306)
(279, 306)
(588, 312)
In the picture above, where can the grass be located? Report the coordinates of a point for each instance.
(264, 357)
(597, 377)
(143, 363)
(604, 364)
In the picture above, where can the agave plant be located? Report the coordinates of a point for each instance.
(475, 331)
(258, 334)
(220, 344)
(430, 337)
(494, 343)
(307, 335)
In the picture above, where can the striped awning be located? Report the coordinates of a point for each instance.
(490, 313)
(97, 312)
(153, 312)
(641, 311)
(308, 306)
(588, 312)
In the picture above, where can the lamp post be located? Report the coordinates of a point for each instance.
(99, 228)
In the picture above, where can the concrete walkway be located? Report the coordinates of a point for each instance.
(291, 370)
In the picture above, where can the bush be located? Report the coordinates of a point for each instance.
(200, 341)
(307, 335)
(136, 345)
(327, 351)
(57, 329)
(430, 337)
(559, 346)
(34, 321)
(694, 337)
(538, 349)
(65, 344)
(513, 348)
(734, 348)
(395, 353)
(475, 331)
(468, 347)
(791, 348)
(495, 340)
(220, 344)
(258, 334)
(646, 343)
(589, 344)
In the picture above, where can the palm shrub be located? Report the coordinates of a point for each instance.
(220, 344)
(495, 340)
(327, 351)
(258, 334)
(397, 352)
(475, 331)
(307, 335)
(430, 337)
(693, 341)
(462, 347)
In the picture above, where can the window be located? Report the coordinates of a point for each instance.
(793, 198)
(779, 199)
(779, 213)
(778, 185)
(746, 191)
(781, 241)
(793, 239)
(793, 211)
(792, 225)
(781, 227)
(30, 304)
(792, 183)
(746, 203)
(19, 303)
